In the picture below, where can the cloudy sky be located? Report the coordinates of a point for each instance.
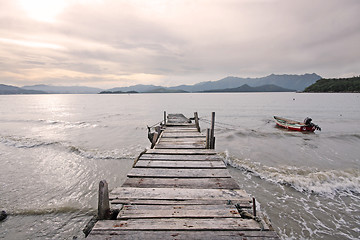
(113, 43)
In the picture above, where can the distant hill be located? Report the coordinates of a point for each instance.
(296, 82)
(117, 92)
(63, 89)
(8, 89)
(165, 90)
(138, 88)
(335, 85)
(247, 88)
(285, 81)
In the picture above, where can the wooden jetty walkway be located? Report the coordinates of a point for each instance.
(179, 189)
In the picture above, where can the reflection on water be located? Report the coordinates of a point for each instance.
(54, 149)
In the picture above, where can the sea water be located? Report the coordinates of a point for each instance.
(54, 150)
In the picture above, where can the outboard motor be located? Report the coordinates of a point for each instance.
(307, 121)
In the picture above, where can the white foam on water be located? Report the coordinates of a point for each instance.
(25, 142)
(303, 179)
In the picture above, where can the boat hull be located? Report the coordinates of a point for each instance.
(293, 125)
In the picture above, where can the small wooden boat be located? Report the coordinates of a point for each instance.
(306, 126)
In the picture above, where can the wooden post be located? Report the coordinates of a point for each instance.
(155, 138)
(103, 204)
(158, 129)
(212, 133)
(254, 206)
(196, 118)
(164, 117)
(208, 138)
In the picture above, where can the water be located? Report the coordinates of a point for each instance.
(54, 149)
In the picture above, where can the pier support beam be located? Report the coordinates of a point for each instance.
(207, 144)
(212, 131)
(196, 118)
(103, 204)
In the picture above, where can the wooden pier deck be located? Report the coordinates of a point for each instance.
(180, 189)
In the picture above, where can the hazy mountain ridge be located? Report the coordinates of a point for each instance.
(296, 82)
(165, 90)
(247, 88)
(8, 89)
(286, 81)
(137, 88)
(63, 89)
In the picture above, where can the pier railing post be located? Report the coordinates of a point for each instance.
(208, 138)
(254, 206)
(196, 118)
(103, 204)
(212, 133)
(164, 117)
(155, 138)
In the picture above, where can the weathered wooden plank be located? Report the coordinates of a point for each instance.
(178, 194)
(177, 117)
(182, 140)
(179, 146)
(217, 183)
(179, 224)
(178, 124)
(175, 207)
(182, 151)
(178, 211)
(178, 214)
(180, 157)
(183, 235)
(175, 131)
(179, 164)
(178, 173)
(171, 121)
(179, 143)
(182, 134)
(178, 129)
(244, 203)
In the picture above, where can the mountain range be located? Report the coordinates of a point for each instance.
(272, 82)
(63, 89)
(8, 89)
(295, 82)
(247, 88)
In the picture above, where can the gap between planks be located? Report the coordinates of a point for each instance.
(199, 183)
(183, 235)
(180, 164)
(212, 224)
(180, 157)
(179, 194)
(178, 173)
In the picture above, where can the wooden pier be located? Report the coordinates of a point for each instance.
(179, 189)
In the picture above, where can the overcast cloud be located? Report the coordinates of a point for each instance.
(113, 43)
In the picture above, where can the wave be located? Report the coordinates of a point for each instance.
(29, 143)
(285, 134)
(51, 210)
(346, 136)
(304, 179)
(19, 142)
(60, 123)
(97, 154)
(66, 124)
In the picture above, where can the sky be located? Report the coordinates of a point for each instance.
(117, 43)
